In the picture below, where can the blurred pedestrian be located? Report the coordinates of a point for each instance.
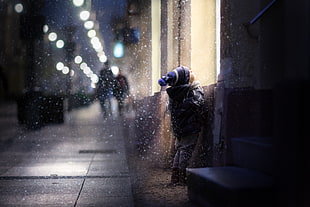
(105, 89)
(121, 90)
(186, 101)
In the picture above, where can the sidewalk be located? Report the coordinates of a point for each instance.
(79, 163)
(84, 162)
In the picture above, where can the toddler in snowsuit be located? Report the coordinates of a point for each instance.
(186, 100)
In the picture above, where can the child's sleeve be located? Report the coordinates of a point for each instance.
(198, 99)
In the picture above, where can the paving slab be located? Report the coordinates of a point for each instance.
(39, 192)
(111, 192)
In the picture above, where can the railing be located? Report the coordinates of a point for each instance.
(261, 13)
(257, 17)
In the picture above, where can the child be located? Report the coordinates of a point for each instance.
(186, 100)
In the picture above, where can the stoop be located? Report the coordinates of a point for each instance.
(229, 186)
(248, 181)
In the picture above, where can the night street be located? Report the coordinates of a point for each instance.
(154, 103)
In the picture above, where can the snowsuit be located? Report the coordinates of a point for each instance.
(185, 103)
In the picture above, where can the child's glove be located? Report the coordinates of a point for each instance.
(167, 79)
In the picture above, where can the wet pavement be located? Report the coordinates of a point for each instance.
(81, 162)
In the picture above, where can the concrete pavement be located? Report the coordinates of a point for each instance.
(79, 163)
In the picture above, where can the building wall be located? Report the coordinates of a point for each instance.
(254, 59)
(172, 33)
(240, 51)
(179, 33)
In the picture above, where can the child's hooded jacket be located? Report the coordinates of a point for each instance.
(185, 103)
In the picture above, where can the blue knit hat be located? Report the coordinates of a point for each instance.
(182, 76)
(178, 76)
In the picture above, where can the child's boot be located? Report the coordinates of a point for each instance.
(182, 177)
(175, 177)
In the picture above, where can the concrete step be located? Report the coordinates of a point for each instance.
(229, 186)
(253, 152)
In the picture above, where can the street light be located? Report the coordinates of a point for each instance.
(91, 33)
(19, 8)
(78, 59)
(94, 78)
(83, 66)
(52, 36)
(103, 58)
(78, 3)
(118, 50)
(45, 28)
(60, 44)
(65, 70)
(89, 24)
(84, 15)
(60, 66)
(115, 70)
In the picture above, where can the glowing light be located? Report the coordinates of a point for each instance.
(84, 15)
(71, 72)
(94, 78)
(83, 66)
(78, 3)
(60, 66)
(115, 70)
(60, 44)
(95, 40)
(98, 47)
(65, 70)
(52, 36)
(103, 58)
(78, 59)
(86, 70)
(101, 53)
(58, 169)
(19, 8)
(88, 24)
(91, 33)
(90, 73)
(45, 28)
(118, 50)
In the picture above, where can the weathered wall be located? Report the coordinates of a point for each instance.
(239, 44)
(154, 140)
